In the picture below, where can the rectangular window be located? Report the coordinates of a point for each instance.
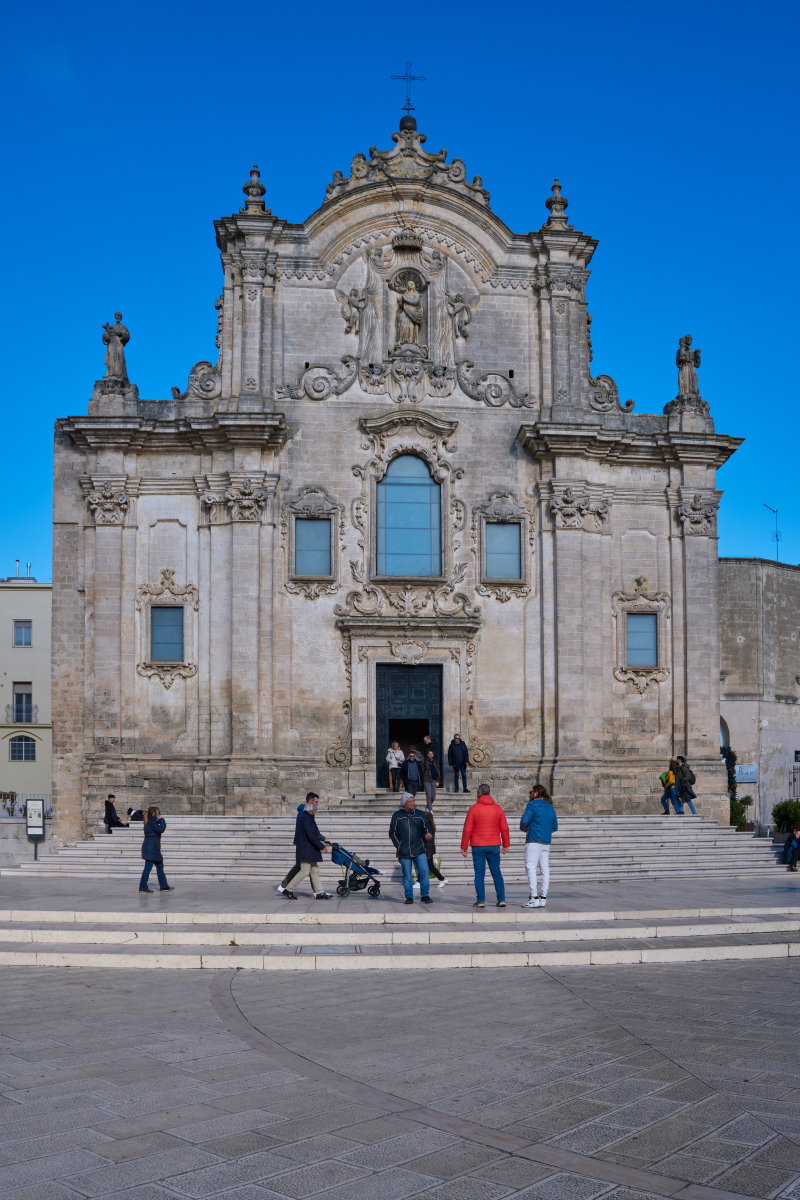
(166, 634)
(312, 546)
(642, 634)
(23, 702)
(503, 550)
(22, 633)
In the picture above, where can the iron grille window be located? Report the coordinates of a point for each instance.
(23, 703)
(312, 546)
(166, 634)
(409, 520)
(22, 749)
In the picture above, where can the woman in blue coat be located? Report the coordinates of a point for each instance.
(154, 826)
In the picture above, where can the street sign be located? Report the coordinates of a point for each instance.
(746, 773)
(34, 815)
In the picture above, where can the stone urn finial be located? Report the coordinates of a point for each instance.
(557, 205)
(254, 190)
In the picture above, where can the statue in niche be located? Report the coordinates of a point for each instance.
(410, 314)
(460, 311)
(352, 307)
(687, 361)
(115, 338)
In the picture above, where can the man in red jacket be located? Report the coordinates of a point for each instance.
(484, 829)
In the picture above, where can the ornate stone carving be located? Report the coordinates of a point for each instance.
(557, 205)
(254, 266)
(318, 381)
(205, 382)
(167, 673)
(640, 600)
(115, 339)
(312, 502)
(492, 387)
(578, 512)
(687, 360)
(246, 502)
(339, 752)
(504, 508)
(108, 507)
(346, 647)
(604, 395)
(352, 306)
(459, 309)
(698, 516)
(168, 591)
(409, 652)
(409, 315)
(254, 190)
(480, 755)
(407, 161)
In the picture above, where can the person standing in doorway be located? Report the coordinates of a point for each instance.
(486, 830)
(684, 784)
(154, 826)
(311, 846)
(539, 822)
(430, 779)
(411, 773)
(410, 833)
(458, 758)
(285, 883)
(395, 758)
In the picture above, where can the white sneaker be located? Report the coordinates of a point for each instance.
(444, 881)
(532, 903)
(542, 901)
(281, 888)
(417, 886)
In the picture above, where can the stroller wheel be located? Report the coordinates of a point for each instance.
(342, 890)
(374, 890)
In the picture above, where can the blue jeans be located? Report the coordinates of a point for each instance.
(148, 866)
(671, 794)
(407, 867)
(463, 771)
(481, 855)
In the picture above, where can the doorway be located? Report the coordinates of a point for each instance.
(408, 705)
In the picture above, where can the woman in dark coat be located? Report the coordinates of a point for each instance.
(154, 826)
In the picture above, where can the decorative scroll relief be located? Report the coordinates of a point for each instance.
(604, 395)
(480, 755)
(640, 600)
(108, 507)
(492, 387)
(167, 592)
(698, 516)
(312, 502)
(579, 512)
(205, 382)
(339, 752)
(167, 673)
(406, 378)
(409, 652)
(245, 502)
(503, 507)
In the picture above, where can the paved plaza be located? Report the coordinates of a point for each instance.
(580, 1082)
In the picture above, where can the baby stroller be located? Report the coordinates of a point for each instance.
(357, 873)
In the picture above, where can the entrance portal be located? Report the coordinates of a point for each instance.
(409, 705)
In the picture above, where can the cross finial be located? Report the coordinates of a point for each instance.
(408, 78)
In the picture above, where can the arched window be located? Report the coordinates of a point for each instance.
(409, 520)
(22, 749)
(724, 735)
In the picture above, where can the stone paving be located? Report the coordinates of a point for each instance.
(558, 1085)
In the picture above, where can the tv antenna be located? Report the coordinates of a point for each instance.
(776, 534)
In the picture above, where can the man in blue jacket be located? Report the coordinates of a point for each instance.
(283, 886)
(311, 846)
(539, 823)
(458, 758)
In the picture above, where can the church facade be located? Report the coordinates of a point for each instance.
(400, 501)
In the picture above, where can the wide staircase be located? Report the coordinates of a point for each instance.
(259, 848)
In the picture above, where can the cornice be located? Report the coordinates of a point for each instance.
(546, 440)
(220, 431)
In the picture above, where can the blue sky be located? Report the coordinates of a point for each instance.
(672, 127)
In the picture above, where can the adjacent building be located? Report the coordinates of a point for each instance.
(25, 721)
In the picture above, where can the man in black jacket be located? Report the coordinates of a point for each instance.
(311, 846)
(285, 883)
(411, 773)
(409, 830)
(458, 758)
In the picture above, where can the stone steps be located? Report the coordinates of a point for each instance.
(432, 938)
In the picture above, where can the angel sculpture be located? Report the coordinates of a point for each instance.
(460, 309)
(352, 307)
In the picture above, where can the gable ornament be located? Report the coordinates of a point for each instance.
(697, 516)
(108, 506)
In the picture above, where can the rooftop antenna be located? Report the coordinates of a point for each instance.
(17, 568)
(408, 122)
(776, 535)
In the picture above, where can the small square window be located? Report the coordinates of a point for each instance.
(642, 639)
(312, 546)
(23, 631)
(166, 634)
(503, 550)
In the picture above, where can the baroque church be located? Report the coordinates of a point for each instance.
(399, 503)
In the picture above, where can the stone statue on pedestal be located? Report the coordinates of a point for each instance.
(687, 361)
(410, 315)
(115, 338)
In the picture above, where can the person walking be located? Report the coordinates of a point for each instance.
(430, 851)
(791, 848)
(430, 779)
(668, 780)
(684, 784)
(429, 743)
(283, 886)
(410, 832)
(110, 818)
(458, 758)
(311, 846)
(395, 758)
(485, 829)
(539, 822)
(154, 826)
(411, 773)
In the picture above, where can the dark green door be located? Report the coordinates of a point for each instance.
(409, 705)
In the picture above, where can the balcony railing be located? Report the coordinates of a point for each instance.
(22, 714)
(12, 804)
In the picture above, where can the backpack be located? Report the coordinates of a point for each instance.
(663, 778)
(692, 777)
